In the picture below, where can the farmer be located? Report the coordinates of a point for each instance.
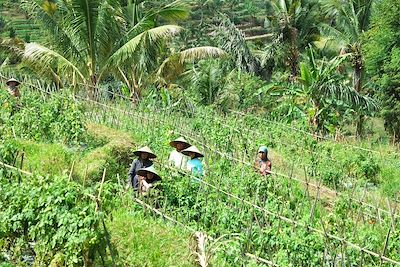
(263, 163)
(194, 165)
(176, 158)
(144, 155)
(13, 87)
(147, 179)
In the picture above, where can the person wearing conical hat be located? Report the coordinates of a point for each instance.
(176, 158)
(194, 165)
(263, 163)
(147, 178)
(144, 155)
(13, 87)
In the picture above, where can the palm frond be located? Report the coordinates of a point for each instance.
(109, 28)
(46, 57)
(177, 10)
(173, 66)
(63, 39)
(197, 53)
(85, 21)
(152, 36)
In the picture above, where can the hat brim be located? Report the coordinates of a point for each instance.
(144, 173)
(174, 143)
(13, 81)
(198, 155)
(262, 151)
(138, 152)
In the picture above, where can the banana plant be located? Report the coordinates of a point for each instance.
(321, 83)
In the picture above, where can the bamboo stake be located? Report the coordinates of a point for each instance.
(71, 171)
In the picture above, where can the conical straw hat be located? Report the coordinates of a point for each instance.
(193, 149)
(145, 149)
(12, 80)
(144, 171)
(180, 140)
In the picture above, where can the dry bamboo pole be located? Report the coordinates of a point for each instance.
(71, 171)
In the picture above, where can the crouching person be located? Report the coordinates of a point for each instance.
(13, 89)
(148, 178)
(144, 160)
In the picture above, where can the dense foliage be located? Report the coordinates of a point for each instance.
(383, 54)
(54, 220)
(37, 117)
(136, 47)
(315, 81)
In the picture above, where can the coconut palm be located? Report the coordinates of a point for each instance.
(174, 65)
(295, 24)
(350, 19)
(90, 38)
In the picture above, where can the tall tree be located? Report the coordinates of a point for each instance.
(90, 38)
(295, 24)
(349, 20)
(382, 46)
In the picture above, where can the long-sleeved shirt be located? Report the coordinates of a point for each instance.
(178, 160)
(137, 165)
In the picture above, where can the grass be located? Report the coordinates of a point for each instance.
(112, 150)
(115, 154)
(45, 158)
(146, 241)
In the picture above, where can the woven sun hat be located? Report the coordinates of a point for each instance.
(151, 169)
(180, 140)
(263, 149)
(12, 80)
(192, 149)
(147, 150)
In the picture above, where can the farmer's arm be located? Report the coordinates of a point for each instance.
(132, 173)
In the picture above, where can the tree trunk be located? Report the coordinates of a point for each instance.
(357, 85)
(92, 92)
(135, 90)
(294, 54)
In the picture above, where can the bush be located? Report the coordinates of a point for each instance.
(43, 119)
(52, 220)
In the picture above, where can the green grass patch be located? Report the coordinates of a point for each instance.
(44, 158)
(114, 155)
(145, 241)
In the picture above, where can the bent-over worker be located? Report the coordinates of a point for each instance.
(13, 87)
(147, 178)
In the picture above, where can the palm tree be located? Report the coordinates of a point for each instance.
(295, 24)
(174, 65)
(90, 38)
(349, 20)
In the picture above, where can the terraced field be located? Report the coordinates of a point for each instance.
(17, 19)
